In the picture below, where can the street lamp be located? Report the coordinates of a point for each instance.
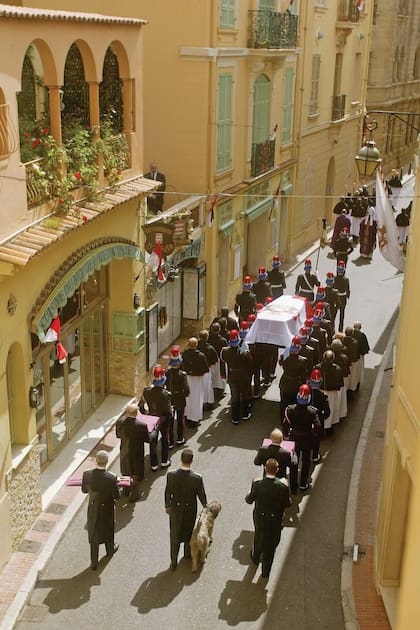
(368, 159)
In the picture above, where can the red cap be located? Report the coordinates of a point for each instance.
(259, 306)
(158, 371)
(243, 325)
(251, 317)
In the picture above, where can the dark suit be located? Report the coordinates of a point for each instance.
(277, 452)
(133, 433)
(103, 491)
(155, 199)
(271, 497)
(181, 492)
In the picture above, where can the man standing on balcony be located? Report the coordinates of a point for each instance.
(155, 199)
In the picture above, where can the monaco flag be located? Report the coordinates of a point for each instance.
(387, 228)
(53, 332)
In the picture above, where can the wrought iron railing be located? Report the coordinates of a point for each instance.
(348, 11)
(338, 107)
(36, 190)
(262, 157)
(271, 29)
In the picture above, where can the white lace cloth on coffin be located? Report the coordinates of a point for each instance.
(279, 321)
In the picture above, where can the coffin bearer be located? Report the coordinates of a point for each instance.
(238, 376)
(246, 301)
(102, 487)
(306, 282)
(275, 451)
(262, 287)
(276, 278)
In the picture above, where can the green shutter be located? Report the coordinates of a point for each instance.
(267, 5)
(261, 113)
(224, 123)
(286, 131)
(227, 13)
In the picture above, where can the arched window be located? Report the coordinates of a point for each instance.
(75, 90)
(110, 92)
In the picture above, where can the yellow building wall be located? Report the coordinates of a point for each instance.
(398, 543)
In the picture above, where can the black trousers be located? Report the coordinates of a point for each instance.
(94, 550)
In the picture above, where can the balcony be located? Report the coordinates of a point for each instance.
(338, 107)
(271, 29)
(262, 157)
(348, 11)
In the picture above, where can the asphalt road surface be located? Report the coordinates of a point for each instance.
(136, 589)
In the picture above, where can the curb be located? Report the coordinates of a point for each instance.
(25, 589)
(347, 596)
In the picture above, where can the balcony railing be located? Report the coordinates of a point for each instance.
(348, 11)
(338, 107)
(262, 157)
(270, 29)
(36, 191)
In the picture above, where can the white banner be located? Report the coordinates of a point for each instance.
(387, 228)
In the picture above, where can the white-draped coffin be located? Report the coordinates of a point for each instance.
(280, 321)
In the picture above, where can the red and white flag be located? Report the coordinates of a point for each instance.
(275, 201)
(360, 5)
(387, 232)
(159, 253)
(62, 353)
(53, 332)
(213, 203)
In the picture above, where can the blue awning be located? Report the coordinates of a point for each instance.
(79, 273)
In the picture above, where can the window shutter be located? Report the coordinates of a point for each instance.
(227, 13)
(261, 114)
(316, 67)
(286, 132)
(224, 123)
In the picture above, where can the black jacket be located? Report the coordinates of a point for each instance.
(276, 452)
(177, 384)
(102, 487)
(194, 362)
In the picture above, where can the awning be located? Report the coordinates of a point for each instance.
(79, 273)
(258, 209)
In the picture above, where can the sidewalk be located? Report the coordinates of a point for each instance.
(362, 606)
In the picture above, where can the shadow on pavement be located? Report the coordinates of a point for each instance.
(241, 547)
(159, 591)
(361, 261)
(244, 600)
(71, 592)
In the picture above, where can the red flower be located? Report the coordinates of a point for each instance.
(84, 217)
(61, 200)
(77, 175)
(119, 171)
(45, 131)
(27, 135)
(35, 142)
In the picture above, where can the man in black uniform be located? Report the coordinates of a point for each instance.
(246, 301)
(363, 348)
(306, 351)
(133, 433)
(177, 384)
(331, 296)
(102, 487)
(306, 282)
(318, 332)
(231, 323)
(275, 451)
(343, 247)
(332, 378)
(294, 375)
(319, 400)
(276, 278)
(262, 288)
(303, 420)
(155, 199)
(183, 487)
(271, 497)
(157, 402)
(238, 376)
(342, 286)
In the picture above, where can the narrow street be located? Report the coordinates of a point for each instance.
(137, 590)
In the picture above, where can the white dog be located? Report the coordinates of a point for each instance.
(202, 533)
